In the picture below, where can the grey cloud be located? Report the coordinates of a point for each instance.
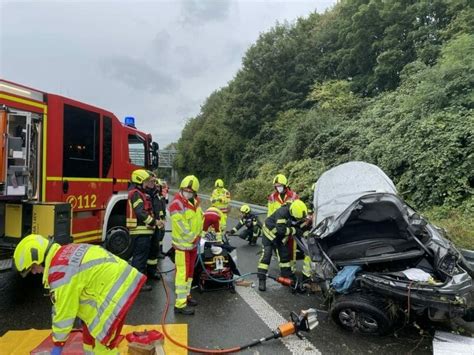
(192, 63)
(162, 41)
(138, 75)
(197, 12)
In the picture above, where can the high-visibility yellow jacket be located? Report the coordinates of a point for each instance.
(186, 222)
(88, 282)
(220, 198)
(276, 200)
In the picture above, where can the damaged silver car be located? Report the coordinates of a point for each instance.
(397, 263)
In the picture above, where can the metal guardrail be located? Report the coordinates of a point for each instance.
(257, 209)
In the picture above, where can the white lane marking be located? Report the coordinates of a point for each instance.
(273, 319)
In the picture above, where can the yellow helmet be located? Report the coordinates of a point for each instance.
(31, 250)
(280, 179)
(219, 183)
(298, 209)
(245, 209)
(190, 182)
(140, 175)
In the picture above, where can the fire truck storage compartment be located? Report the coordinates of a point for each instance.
(21, 155)
(52, 219)
(49, 219)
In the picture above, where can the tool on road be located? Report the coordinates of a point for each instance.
(305, 321)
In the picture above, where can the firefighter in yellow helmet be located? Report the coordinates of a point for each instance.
(282, 195)
(141, 221)
(186, 226)
(286, 221)
(85, 281)
(253, 227)
(220, 198)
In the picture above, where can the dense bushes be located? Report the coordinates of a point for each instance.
(390, 83)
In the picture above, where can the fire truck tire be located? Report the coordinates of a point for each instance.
(118, 240)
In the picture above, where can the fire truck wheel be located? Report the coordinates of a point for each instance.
(118, 240)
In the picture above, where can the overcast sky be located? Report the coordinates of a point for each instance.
(154, 60)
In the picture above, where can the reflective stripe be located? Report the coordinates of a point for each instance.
(181, 296)
(268, 234)
(281, 220)
(284, 265)
(184, 229)
(109, 296)
(103, 307)
(137, 202)
(60, 336)
(148, 220)
(152, 262)
(181, 287)
(64, 323)
(263, 266)
(71, 270)
(91, 303)
(120, 304)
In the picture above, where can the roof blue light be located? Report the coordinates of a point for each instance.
(129, 121)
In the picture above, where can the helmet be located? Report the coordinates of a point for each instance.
(245, 209)
(140, 175)
(190, 182)
(31, 250)
(219, 183)
(298, 209)
(280, 179)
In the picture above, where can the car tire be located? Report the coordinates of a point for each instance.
(363, 314)
(118, 240)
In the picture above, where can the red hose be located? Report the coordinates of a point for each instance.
(190, 348)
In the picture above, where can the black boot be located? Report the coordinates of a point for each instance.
(152, 273)
(187, 311)
(262, 285)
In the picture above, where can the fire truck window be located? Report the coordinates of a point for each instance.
(81, 142)
(106, 146)
(136, 150)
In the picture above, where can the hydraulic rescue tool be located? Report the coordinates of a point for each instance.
(307, 320)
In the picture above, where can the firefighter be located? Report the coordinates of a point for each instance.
(85, 281)
(281, 196)
(220, 198)
(253, 226)
(284, 222)
(141, 220)
(212, 222)
(156, 246)
(186, 226)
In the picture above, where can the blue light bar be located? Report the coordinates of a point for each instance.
(129, 121)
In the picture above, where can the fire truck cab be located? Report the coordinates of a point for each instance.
(64, 170)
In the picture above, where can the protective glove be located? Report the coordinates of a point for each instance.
(298, 233)
(57, 350)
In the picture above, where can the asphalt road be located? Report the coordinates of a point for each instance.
(223, 319)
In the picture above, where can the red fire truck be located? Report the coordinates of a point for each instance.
(64, 170)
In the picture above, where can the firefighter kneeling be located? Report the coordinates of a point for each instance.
(286, 221)
(85, 281)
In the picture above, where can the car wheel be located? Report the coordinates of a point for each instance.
(361, 313)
